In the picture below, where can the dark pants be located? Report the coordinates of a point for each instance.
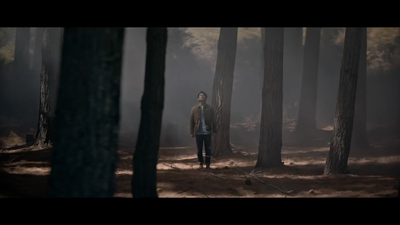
(206, 139)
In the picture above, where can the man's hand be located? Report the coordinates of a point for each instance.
(192, 135)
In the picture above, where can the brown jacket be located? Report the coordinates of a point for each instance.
(209, 116)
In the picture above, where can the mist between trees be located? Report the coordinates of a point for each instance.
(190, 68)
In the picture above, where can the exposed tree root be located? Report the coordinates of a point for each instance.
(172, 166)
(253, 175)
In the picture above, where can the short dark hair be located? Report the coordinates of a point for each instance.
(200, 93)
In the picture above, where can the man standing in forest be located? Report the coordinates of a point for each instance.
(202, 124)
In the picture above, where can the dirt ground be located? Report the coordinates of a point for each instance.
(374, 172)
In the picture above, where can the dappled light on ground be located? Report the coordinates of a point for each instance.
(373, 172)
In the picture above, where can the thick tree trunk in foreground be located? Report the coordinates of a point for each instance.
(222, 90)
(145, 158)
(270, 143)
(339, 151)
(87, 113)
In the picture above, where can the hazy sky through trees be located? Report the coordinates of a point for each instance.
(189, 70)
(190, 67)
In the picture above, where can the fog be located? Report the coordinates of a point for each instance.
(190, 67)
(184, 78)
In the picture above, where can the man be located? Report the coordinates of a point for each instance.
(202, 124)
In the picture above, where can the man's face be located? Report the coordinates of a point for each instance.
(202, 97)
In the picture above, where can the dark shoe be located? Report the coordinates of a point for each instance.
(208, 167)
(200, 166)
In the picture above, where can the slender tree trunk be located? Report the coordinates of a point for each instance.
(43, 131)
(87, 113)
(360, 114)
(308, 94)
(339, 151)
(222, 89)
(145, 158)
(270, 143)
(50, 43)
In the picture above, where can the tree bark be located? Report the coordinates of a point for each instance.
(145, 158)
(308, 93)
(222, 90)
(270, 143)
(339, 150)
(84, 156)
(50, 43)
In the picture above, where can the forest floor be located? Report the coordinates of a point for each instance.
(374, 172)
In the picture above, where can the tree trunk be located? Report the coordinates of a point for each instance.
(145, 158)
(50, 43)
(360, 114)
(270, 143)
(222, 90)
(308, 94)
(339, 151)
(87, 113)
